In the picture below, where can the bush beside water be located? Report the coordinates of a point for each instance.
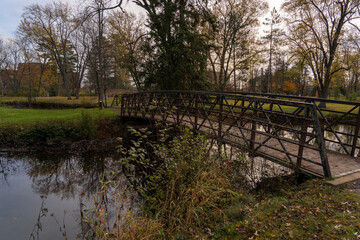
(60, 133)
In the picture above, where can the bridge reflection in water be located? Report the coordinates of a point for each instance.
(289, 130)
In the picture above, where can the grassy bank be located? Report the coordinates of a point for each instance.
(51, 102)
(35, 128)
(312, 210)
(190, 194)
(27, 117)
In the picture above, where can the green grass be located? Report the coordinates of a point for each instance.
(288, 109)
(25, 117)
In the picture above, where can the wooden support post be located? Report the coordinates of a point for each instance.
(115, 101)
(303, 136)
(253, 128)
(136, 104)
(220, 119)
(356, 134)
(131, 105)
(271, 108)
(219, 134)
(242, 110)
(321, 143)
(122, 111)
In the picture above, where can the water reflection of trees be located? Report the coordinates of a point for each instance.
(78, 177)
(69, 176)
(8, 166)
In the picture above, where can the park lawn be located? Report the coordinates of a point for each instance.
(26, 117)
(343, 108)
(62, 100)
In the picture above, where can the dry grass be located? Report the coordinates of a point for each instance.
(126, 226)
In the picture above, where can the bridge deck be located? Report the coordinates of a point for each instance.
(340, 164)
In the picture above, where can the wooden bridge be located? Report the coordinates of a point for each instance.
(289, 130)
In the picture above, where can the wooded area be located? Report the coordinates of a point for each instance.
(311, 47)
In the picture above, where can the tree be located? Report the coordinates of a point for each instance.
(317, 28)
(127, 35)
(272, 39)
(176, 48)
(231, 38)
(3, 66)
(351, 52)
(82, 44)
(13, 59)
(25, 72)
(50, 27)
(99, 56)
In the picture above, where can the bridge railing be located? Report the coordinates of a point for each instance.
(340, 120)
(279, 129)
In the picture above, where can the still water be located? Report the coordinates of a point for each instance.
(46, 196)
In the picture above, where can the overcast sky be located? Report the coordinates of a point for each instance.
(11, 10)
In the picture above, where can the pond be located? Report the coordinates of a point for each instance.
(47, 196)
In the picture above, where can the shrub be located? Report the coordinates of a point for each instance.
(182, 185)
(87, 125)
(51, 131)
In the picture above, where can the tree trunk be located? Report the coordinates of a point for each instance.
(67, 88)
(39, 88)
(105, 99)
(323, 93)
(77, 92)
(100, 75)
(2, 86)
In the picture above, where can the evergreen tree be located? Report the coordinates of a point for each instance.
(178, 51)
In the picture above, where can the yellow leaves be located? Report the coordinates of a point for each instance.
(289, 87)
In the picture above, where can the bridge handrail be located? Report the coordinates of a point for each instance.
(349, 118)
(196, 107)
(269, 100)
(259, 94)
(314, 99)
